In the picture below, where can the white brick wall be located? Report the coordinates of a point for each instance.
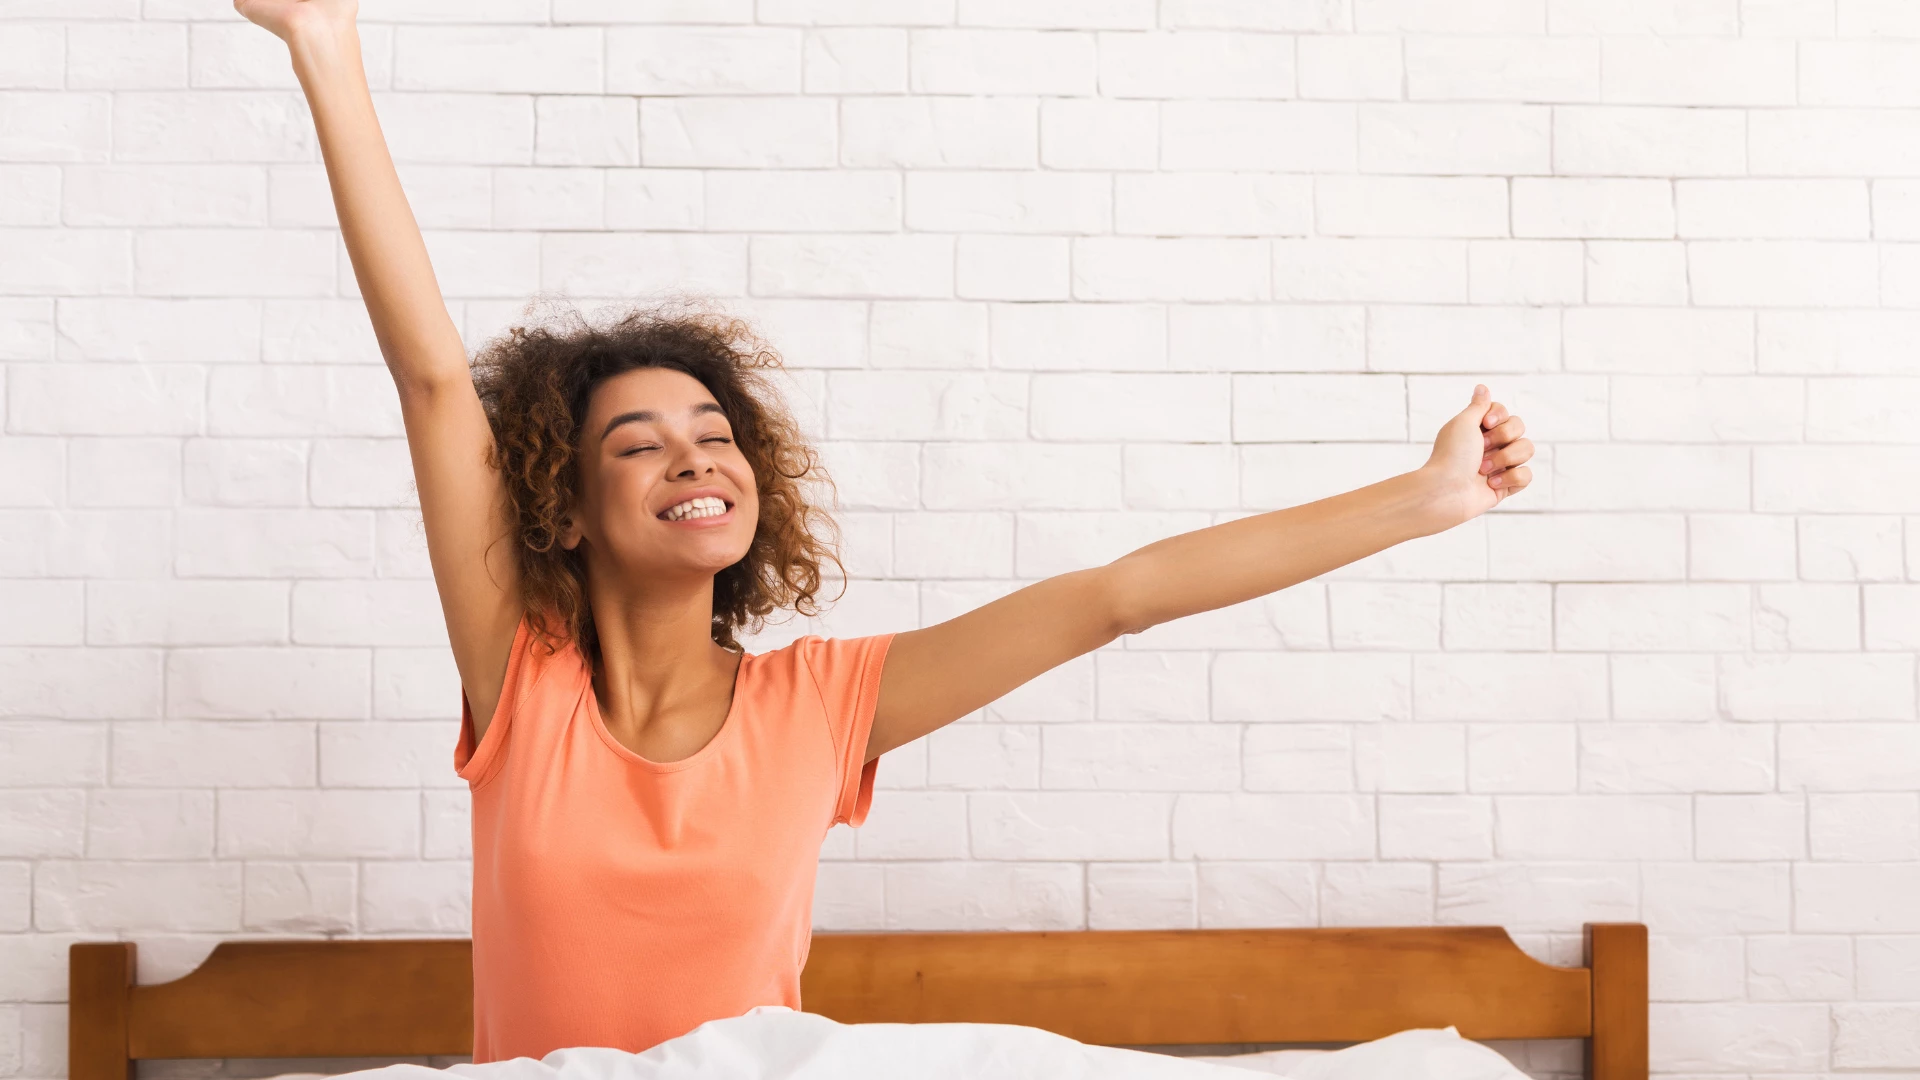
(1054, 279)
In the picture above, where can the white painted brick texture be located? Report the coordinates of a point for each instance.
(1054, 280)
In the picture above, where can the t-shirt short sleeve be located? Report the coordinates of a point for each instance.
(527, 660)
(847, 673)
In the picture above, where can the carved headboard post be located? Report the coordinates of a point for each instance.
(99, 996)
(1617, 955)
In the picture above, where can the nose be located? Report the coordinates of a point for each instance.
(691, 462)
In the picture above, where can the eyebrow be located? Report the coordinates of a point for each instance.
(648, 416)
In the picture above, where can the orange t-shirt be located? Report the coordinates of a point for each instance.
(619, 901)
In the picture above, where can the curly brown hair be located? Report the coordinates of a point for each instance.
(536, 383)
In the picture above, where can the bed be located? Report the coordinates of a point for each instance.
(376, 998)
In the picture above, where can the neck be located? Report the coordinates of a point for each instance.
(657, 652)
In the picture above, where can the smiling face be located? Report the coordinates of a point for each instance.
(664, 490)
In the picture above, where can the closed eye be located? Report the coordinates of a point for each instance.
(632, 450)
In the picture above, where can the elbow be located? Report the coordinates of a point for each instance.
(1123, 599)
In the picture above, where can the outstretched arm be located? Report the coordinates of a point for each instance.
(936, 675)
(462, 501)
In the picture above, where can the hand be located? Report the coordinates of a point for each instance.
(291, 19)
(1478, 458)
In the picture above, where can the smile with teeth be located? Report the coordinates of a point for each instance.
(706, 506)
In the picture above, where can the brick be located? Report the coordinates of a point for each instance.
(1887, 967)
(1410, 758)
(1695, 758)
(1131, 406)
(1480, 68)
(1594, 826)
(1871, 828)
(1067, 14)
(86, 543)
(1515, 686)
(1376, 894)
(164, 195)
(1657, 687)
(38, 753)
(1636, 272)
(1834, 343)
(55, 126)
(1410, 206)
(892, 267)
(1298, 757)
(123, 472)
(1860, 410)
(728, 132)
(1350, 68)
(1648, 142)
(1130, 268)
(415, 684)
(1463, 339)
(1293, 618)
(1545, 896)
(500, 59)
(979, 896)
(121, 897)
(1108, 337)
(1652, 618)
(984, 757)
(1140, 757)
(1850, 548)
(1140, 896)
(954, 545)
(245, 472)
(1454, 139)
(319, 824)
(1740, 547)
(1094, 133)
(1318, 408)
(1055, 542)
(1062, 694)
(1370, 271)
(1257, 895)
(42, 823)
(662, 60)
(928, 334)
(1258, 135)
(1818, 479)
(298, 897)
(1305, 15)
(1593, 476)
(1848, 756)
(1074, 203)
(31, 195)
(186, 613)
(1818, 687)
(627, 264)
(1196, 64)
(1856, 898)
(1876, 1036)
(1702, 898)
(1593, 209)
(547, 198)
(1068, 825)
(1749, 828)
(66, 262)
(938, 132)
(164, 331)
(150, 825)
(1214, 337)
(1240, 826)
(37, 60)
(1772, 209)
(1807, 617)
(1782, 273)
(1697, 71)
(268, 683)
(922, 405)
(1435, 827)
(1530, 758)
(1661, 340)
(302, 399)
(915, 825)
(220, 753)
(1019, 476)
(1179, 477)
(80, 684)
(772, 201)
(1358, 687)
(1026, 268)
(1834, 142)
(228, 262)
(855, 60)
(1495, 616)
(954, 61)
(35, 469)
(416, 898)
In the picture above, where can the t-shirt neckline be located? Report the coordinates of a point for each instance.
(621, 750)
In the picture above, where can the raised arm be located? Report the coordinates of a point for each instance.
(936, 675)
(461, 497)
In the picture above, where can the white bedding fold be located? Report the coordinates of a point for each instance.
(775, 1043)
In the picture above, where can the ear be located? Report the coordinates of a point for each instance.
(570, 534)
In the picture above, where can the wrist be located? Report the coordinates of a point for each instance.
(1437, 501)
(319, 45)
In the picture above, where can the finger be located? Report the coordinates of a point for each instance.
(1505, 432)
(1514, 453)
(1511, 480)
(1494, 415)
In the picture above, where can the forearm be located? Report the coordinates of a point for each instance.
(1250, 557)
(389, 256)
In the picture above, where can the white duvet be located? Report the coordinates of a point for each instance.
(776, 1043)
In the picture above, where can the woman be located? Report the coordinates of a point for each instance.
(604, 509)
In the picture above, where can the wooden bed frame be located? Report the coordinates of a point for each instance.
(269, 999)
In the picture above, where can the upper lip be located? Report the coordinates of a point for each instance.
(696, 493)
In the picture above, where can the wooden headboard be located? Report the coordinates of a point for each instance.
(267, 999)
